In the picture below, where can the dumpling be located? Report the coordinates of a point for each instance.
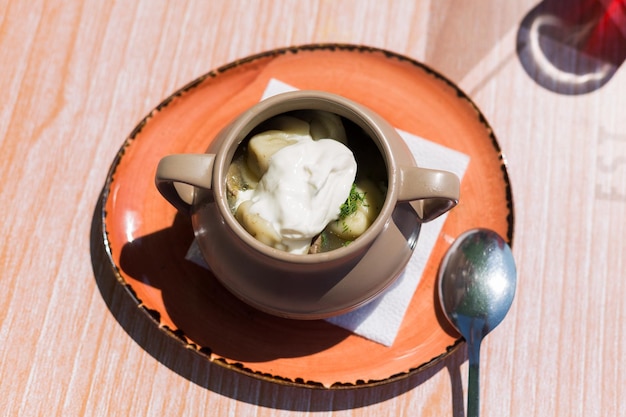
(368, 202)
(324, 125)
(239, 178)
(283, 131)
(257, 226)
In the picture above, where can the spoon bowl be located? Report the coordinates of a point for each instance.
(477, 283)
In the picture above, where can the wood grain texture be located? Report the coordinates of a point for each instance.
(78, 76)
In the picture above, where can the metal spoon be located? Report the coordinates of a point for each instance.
(476, 288)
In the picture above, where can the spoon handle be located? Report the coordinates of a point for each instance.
(473, 384)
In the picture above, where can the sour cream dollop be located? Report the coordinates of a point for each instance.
(303, 189)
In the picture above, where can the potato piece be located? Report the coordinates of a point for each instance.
(367, 208)
(285, 131)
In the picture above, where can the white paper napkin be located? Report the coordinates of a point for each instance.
(380, 319)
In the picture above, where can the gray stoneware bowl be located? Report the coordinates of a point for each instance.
(310, 286)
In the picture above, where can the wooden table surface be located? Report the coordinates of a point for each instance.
(77, 76)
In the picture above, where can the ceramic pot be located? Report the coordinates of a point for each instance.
(309, 286)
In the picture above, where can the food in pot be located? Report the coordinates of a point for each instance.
(294, 184)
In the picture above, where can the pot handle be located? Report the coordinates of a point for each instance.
(178, 175)
(437, 191)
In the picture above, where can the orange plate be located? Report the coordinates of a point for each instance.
(147, 241)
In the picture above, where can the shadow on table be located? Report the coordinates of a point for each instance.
(241, 386)
(573, 46)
